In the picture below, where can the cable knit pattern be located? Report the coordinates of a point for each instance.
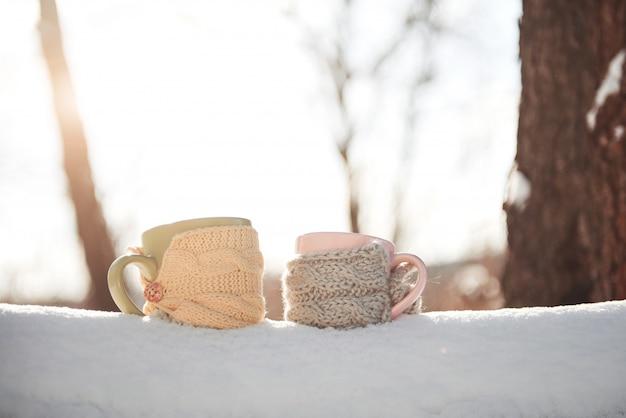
(342, 288)
(210, 277)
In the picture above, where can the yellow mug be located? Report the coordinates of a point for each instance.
(208, 267)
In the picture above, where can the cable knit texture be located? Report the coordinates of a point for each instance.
(345, 288)
(210, 277)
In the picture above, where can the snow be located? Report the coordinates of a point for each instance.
(567, 361)
(618, 133)
(519, 189)
(609, 86)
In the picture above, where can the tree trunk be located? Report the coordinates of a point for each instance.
(567, 239)
(92, 229)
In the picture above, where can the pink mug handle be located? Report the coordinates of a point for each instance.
(417, 289)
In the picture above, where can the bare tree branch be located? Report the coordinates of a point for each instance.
(417, 23)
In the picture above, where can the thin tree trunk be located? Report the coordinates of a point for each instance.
(566, 244)
(354, 203)
(92, 229)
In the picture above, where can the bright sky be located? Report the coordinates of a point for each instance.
(195, 108)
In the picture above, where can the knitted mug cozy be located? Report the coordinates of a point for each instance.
(209, 277)
(345, 288)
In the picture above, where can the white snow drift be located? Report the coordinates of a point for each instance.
(532, 362)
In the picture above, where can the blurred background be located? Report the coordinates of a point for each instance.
(396, 119)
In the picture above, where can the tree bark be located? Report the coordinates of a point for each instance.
(92, 228)
(567, 241)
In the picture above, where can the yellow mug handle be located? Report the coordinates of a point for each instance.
(115, 278)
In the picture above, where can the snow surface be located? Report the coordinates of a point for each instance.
(565, 361)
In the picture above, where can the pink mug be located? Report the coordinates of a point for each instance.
(326, 241)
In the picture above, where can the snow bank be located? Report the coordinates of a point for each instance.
(564, 361)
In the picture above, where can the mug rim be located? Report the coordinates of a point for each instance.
(390, 246)
(227, 221)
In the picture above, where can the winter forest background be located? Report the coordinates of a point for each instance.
(394, 119)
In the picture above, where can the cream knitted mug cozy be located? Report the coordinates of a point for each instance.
(344, 288)
(209, 277)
